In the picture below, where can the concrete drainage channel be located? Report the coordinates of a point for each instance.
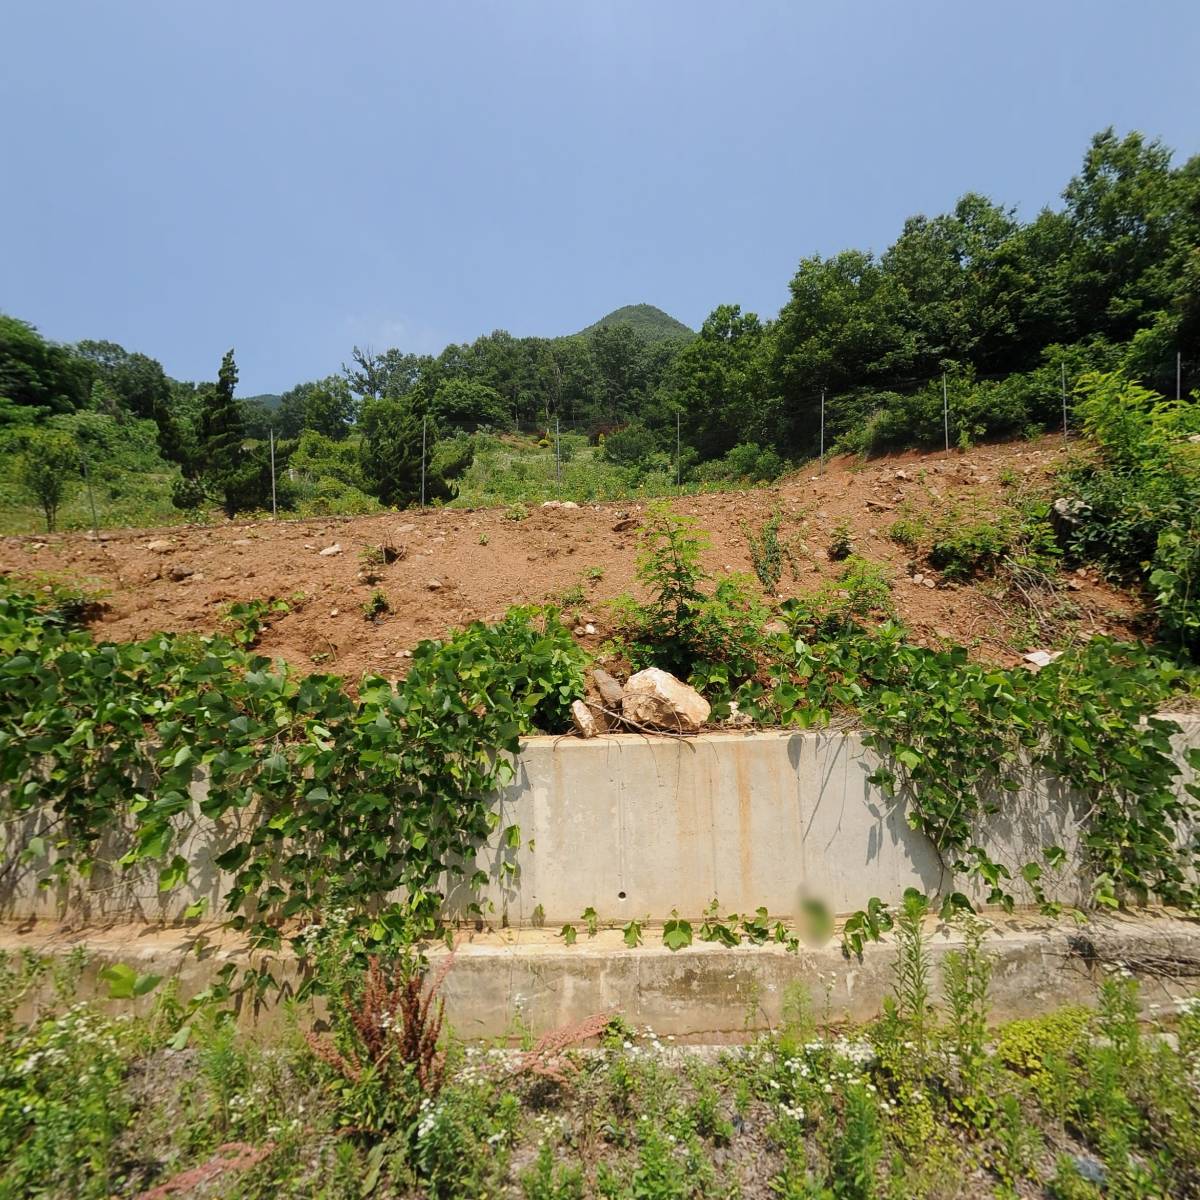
(634, 828)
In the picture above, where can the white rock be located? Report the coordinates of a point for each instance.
(589, 628)
(330, 551)
(581, 717)
(434, 585)
(552, 504)
(1037, 659)
(160, 546)
(569, 504)
(656, 698)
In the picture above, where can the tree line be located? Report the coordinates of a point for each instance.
(1001, 307)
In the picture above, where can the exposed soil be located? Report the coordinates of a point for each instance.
(481, 561)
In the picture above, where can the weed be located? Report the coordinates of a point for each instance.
(546, 1181)
(684, 628)
(854, 1155)
(516, 512)
(484, 539)
(384, 1050)
(966, 974)
(766, 553)
(912, 972)
(841, 542)
(377, 607)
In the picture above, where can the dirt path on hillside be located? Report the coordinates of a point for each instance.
(458, 565)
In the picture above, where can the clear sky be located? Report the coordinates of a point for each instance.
(292, 177)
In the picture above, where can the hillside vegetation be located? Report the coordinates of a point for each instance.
(650, 323)
(996, 316)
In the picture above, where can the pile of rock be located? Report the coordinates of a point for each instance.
(651, 699)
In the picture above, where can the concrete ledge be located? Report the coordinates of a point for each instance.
(511, 980)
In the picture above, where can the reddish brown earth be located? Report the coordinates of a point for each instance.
(485, 562)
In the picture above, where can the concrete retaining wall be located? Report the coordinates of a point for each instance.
(636, 827)
(509, 980)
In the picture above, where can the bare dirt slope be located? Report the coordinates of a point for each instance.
(458, 564)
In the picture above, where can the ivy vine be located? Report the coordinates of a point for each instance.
(341, 801)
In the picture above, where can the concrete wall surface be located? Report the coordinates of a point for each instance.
(509, 980)
(636, 826)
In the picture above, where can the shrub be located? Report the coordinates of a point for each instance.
(684, 628)
(747, 462)
(1142, 492)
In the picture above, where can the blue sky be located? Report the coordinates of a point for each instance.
(291, 177)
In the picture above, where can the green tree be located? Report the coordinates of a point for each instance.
(40, 374)
(223, 467)
(718, 383)
(138, 381)
(466, 404)
(326, 406)
(391, 452)
(49, 466)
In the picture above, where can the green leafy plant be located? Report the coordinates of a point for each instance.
(677, 933)
(766, 552)
(377, 607)
(841, 542)
(1139, 495)
(684, 628)
(373, 822)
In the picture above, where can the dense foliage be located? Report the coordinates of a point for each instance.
(925, 1103)
(343, 801)
(1138, 497)
(957, 737)
(1005, 311)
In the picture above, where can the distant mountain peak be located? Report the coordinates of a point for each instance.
(651, 322)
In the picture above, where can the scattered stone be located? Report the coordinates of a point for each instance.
(624, 524)
(434, 585)
(927, 582)
(775, 627)
(902, 475)
(611, 692)
(333, 612)
(553, 504)
(917, 578)
(656, 698)
(330, 551)
(1037, 659)
(242, 542)
(581, 717)
(878, 506)
(569, 504)
(160, 546)
(1090, 1169)
(178, 572)
(738, 719)
(1066, 515)
(589, 628)
(578, 631)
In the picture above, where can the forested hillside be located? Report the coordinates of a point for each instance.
(651, 323)
(1004, 310)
